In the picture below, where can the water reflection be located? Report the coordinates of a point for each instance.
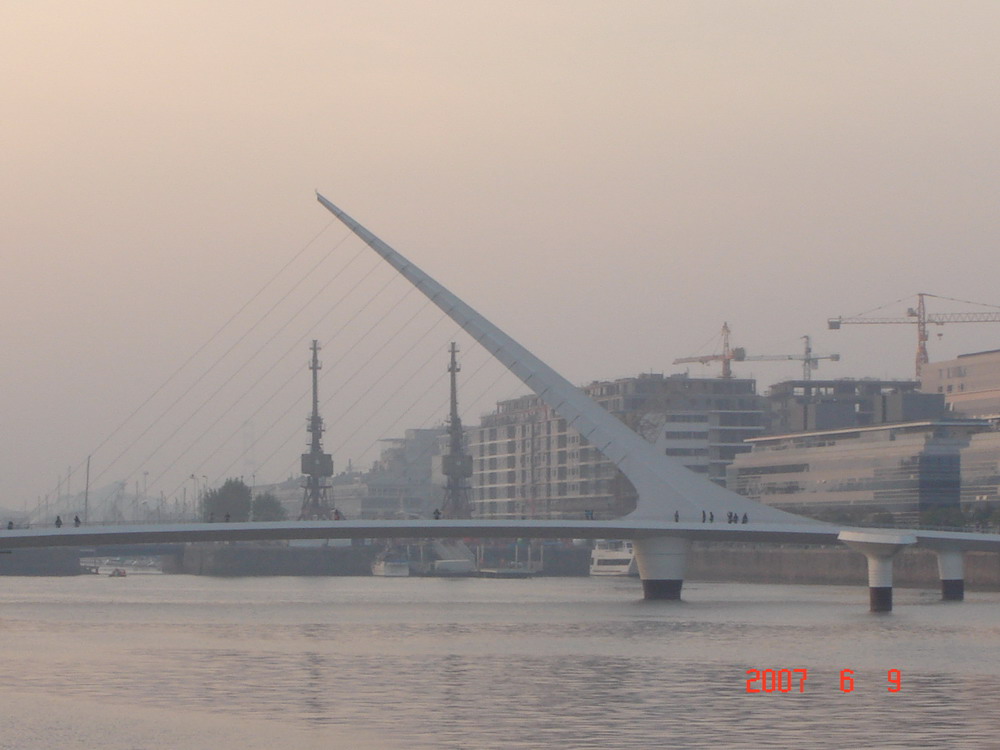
(574, 667)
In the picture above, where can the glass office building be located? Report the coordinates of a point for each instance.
(981, 470)
(859, 474)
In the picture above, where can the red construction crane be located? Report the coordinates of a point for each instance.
(920, 317)
(727, 356)
(809, 360)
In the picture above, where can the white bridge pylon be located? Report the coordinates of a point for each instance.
(666, 489)
(664, 485)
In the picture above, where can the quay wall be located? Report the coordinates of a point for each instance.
(761, 563)
(42, 561)
(276, 560)
(355, 560)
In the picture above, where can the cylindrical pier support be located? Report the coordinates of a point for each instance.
(879, 582)
(951, 568)
(879, 549)
(661, 561)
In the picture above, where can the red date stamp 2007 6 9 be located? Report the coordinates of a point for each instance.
(789, 680)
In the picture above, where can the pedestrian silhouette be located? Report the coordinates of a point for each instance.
(437, 514)
(58, 522)
(703, 516)
(746, 518)
(711, 516)
(76, 521)
(10, 524)
(677, 516)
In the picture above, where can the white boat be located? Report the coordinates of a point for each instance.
(392, 563)
(612, 557)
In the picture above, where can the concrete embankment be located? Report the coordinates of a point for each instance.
(765, 563)
(50, 561)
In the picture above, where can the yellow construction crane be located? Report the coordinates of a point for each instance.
(809, 360)
(921, 318)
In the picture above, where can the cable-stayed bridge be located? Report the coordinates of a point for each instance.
(671, 499)
(665, 542)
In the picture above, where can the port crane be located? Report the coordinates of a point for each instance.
(922, 319)
(456, 464)
(809, 360)
(317, 466)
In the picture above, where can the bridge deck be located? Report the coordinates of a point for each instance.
(804, 533)
(253, 531)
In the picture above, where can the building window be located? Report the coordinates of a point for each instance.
(686, 451)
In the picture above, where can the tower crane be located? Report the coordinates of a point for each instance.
(921, 318)
(727, 356)
(809, 360)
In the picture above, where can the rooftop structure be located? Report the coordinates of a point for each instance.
(809, 405)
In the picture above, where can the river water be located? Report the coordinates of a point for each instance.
(151, 662)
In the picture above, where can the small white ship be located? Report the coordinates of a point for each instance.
(612, 557)
(393, 562)
(391, 568)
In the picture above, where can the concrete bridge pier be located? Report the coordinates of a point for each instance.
(879, 549)
(661, 561)
(951, 568)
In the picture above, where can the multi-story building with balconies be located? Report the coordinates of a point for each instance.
(528, 463)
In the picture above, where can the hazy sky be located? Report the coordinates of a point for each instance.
(607, 181)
